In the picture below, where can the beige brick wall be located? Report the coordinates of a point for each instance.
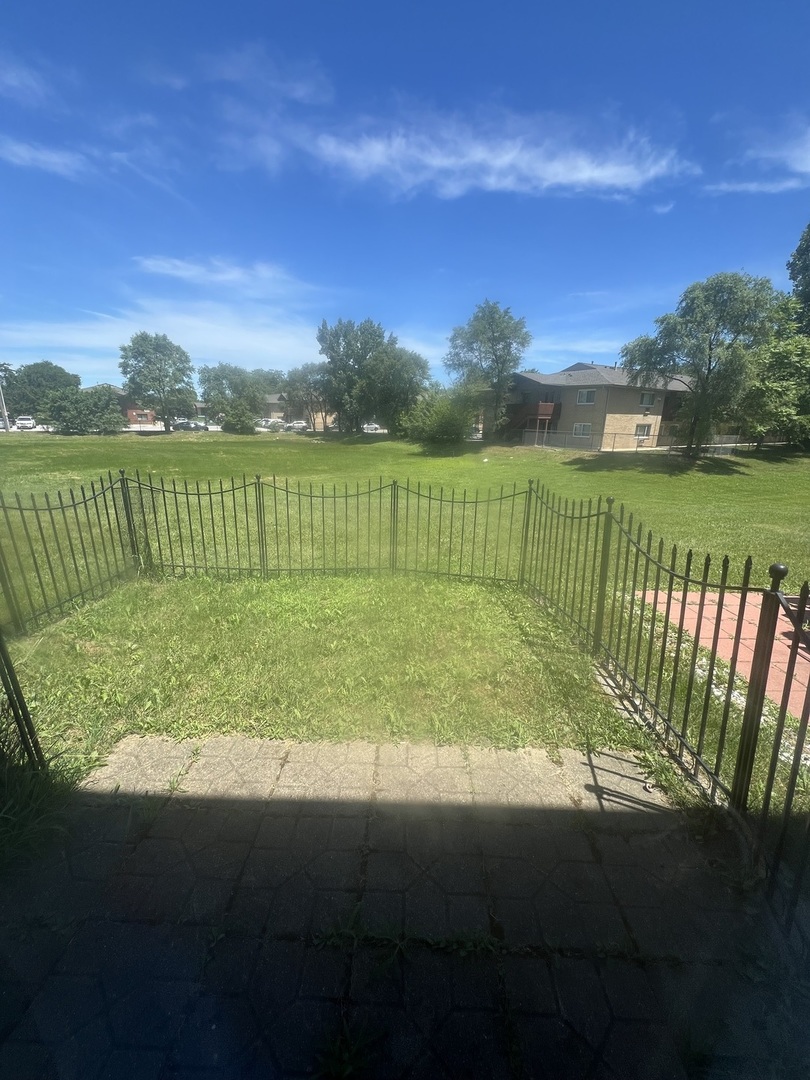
(613, 416)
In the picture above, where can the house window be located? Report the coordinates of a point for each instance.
(643, 431)
(647, 400)
(582, 431)
(586, 397)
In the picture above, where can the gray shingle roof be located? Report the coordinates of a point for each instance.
(593, 375)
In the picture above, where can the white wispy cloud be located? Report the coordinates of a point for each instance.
(790, 151)
(251, 335)
(757, 187)
(781, 157)
(70, 164)
(268, 76)
(511, 153)
(663, 208)
(22, 83)
(254, 315)
(253, 280)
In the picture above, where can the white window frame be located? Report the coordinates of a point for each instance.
(647, 400)
(583, 399)
(645, 434)
(582, 433)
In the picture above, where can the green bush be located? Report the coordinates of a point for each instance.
(238, 421)
(84, 412)
(441, 417)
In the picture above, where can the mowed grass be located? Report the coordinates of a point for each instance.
(349, 658)
(748, 503)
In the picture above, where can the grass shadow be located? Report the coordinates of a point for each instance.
(659, 464)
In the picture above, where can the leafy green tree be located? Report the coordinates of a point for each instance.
(158, 375)
(441, 417)
(799, 270)
(239, 420)
(85, 412)
(707, 347)
(222, 385)
(778, 398)
(306, 392)
(348, 348)
(29, 389)
(489, 349)
(392, 382)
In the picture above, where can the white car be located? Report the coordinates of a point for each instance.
(26, 423)
(297, 425)
(371, 428)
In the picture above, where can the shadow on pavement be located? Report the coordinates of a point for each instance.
(421, 930)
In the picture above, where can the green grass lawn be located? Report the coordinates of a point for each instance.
(738, 505)
(349, 658)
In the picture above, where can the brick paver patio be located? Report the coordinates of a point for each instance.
(257, 909)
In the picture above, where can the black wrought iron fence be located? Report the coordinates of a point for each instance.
(57, 552)
(718, 668)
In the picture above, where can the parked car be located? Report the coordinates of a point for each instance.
(297, 425)
(189, 425)
(26, 423)
(371, 428)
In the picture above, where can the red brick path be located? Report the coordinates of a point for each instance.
(728, 626)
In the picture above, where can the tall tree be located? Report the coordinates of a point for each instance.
(158, 374)
(349, 348)
(778, 398)
(799, 270)
(393, 381)
(306, 391)
(707, 346)
(489, 349)
(28, 389)
(224, 385)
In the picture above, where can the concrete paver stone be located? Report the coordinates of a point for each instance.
(253, 908)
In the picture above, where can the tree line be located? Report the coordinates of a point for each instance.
(737, 348)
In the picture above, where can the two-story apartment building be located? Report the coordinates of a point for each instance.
(590, 407)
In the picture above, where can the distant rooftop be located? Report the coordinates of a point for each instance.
(594, 375)
(106, 386)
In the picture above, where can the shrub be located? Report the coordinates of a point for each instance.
(441, 417)
(238, 421)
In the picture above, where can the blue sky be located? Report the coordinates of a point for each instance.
(231, 174)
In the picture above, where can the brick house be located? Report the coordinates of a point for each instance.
(590, 407)
(134, 413)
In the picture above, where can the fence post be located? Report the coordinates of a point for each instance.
(130, 520)
(261, 533)
(757, 686)
(604, 566)
(392, 555)
(19, 710)
(11, 600)
(524, 544)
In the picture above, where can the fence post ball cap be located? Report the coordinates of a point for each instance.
(778, 572)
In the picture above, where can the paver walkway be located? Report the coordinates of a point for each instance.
(783, 640)
(261, 909)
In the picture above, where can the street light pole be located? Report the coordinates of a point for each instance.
(7, 426)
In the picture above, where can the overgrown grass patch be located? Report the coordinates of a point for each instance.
(346, 658)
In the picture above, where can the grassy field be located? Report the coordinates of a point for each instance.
(390, 659)
(739, 505)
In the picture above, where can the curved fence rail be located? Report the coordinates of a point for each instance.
(718, 668)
